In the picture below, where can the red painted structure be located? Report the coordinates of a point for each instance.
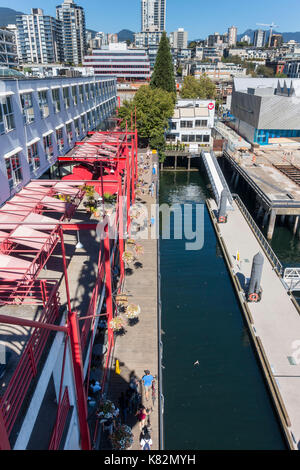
(33, 223)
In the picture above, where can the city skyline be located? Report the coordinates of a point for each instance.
(197, 19)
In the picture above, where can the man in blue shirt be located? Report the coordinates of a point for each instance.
(147, 381)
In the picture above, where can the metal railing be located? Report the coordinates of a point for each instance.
(259, 235)
(291, 278)
(28, 365)
(221, 175)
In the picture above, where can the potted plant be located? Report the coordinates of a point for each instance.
(122, 438)
(128, 257)
(107, 410)
(132, 311)
(118, 324)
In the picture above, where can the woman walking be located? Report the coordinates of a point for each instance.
(142, 414)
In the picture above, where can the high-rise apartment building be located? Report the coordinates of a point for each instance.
(72, 17)
(39, 38)
(259, 38)
(179, 39)
(153, 15)
(8, 54)
(232, 36)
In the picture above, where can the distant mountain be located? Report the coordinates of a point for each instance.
(126, 35)
(8, 16)
(286, 36)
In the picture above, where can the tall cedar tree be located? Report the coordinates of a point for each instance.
(163, 74)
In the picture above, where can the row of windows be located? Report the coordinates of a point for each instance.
(86, 92)
(195, 138)
(93, 117)
(190, 124)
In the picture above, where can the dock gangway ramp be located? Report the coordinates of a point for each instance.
(216, 178)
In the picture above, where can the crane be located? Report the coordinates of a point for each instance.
(271, 26)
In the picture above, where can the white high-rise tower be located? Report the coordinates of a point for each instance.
(72, 17)
(153, 15)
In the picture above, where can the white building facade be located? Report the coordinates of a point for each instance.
(153, 14)
(119, 61)
(39, 38)
(192, 122)
(41, 119)
(179, 39)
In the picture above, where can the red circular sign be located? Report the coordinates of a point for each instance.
(211, 106)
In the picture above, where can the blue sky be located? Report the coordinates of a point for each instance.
(198, 17)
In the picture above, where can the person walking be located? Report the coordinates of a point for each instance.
(142, 414)
(147, 382)
(145, 439)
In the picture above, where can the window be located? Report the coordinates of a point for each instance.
(56, 100)
(201, 123)
(199, 138)
(48, 145)
(184, 138)
(81, 93)
(14, 172)
(27, 107)
(33, 157)
(7, 122)
(89, 120)
(66, 96)
(192, 138)
(69, 133)
(87, 91)
(74, 95)
(206, 138)
(92, 88)
(83, 128)
(173, 125)
(77, 128)
(185, 124)
(43, 104)
(60, 139)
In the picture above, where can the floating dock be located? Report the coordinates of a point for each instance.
(273, 323)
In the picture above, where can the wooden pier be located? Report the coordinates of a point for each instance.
(138, 349)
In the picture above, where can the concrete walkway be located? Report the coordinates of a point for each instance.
(137, 350)
(276, 320)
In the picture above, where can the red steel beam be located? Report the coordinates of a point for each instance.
(108, 283)
(79, 381)
(9, 320)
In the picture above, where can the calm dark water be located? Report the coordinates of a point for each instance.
(223, 403)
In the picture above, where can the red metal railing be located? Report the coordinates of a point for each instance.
(92, 310)
(27, 367)
(61, 422)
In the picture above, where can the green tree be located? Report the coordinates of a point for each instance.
(281, 75)
(154, 107)
(267, 72)
(202, 89)
(163, 74)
